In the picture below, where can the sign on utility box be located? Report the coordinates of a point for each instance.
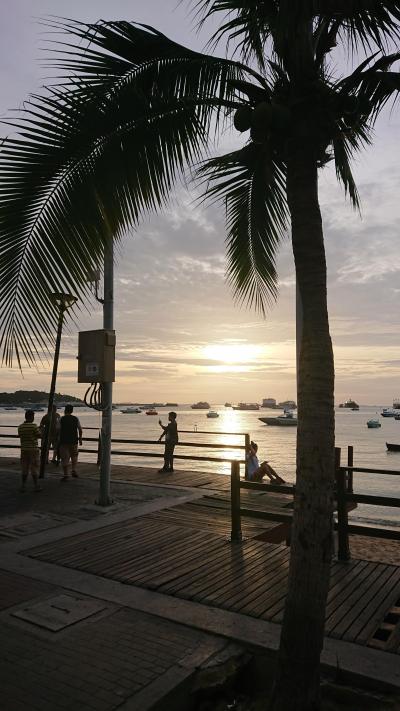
(96, 356)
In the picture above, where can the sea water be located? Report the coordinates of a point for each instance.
(276, 444)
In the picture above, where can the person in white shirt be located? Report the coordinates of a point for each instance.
(257, 471)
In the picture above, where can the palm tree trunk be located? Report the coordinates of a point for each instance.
(297, 680)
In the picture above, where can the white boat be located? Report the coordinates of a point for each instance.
(131, 411)
(388, 412)
(286, 420)
(373, 424)
(212, 413)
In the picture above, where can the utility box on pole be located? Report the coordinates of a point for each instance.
(96, 356)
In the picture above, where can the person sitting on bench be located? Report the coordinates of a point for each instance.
(257, 471)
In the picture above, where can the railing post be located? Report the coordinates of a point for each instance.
(236, 532)
(350, 462)
(247, 447)
(343, 531)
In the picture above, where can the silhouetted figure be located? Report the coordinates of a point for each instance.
(170, 432)
(52, 441)
(29, 433)
(70, 435)
(257, 471)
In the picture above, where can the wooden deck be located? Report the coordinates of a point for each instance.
(178, 552)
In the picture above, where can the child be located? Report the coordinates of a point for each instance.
(256, 471)
(171, 439)
(29, 434)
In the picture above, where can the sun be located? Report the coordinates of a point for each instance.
(232, 352)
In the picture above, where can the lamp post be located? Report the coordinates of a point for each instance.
(106, 417)
(64, 302)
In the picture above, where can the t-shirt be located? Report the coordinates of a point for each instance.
(69, 427)
(252, 465)
(171, 433)
(55, 419)
(29, 433)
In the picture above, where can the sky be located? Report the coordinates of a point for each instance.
(180, 335)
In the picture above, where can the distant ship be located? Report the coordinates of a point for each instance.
(396, 403)
(350, 405)
(269, 402)
(287, 405)
(201, 405)
(247, 406)
(228, 404)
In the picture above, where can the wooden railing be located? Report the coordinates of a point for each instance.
(157, 455)
(345, 500)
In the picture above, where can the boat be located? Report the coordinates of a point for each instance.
(373, 424)
(397, 417)
(350, 405)
(247, 406)
(201, 405)
(393, 447)
(285, 420)
(151, 411)
(388, 412)
(9, 407)
(396, 403)
(212, 413)
(228, 404)
(36, 408)
(131, 411)
(287, 405)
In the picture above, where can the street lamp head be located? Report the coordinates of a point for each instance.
(63, 301)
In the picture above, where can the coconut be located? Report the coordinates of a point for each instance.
(262, 117)
(242, 118)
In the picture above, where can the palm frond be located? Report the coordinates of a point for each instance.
(346, 143)
(252, 184)
(373, 85)
(248, 24)
(363, 23)
(87, 161)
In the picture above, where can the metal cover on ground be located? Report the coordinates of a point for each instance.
(59, 612)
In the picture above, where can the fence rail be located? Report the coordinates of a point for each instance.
(344, 495)
(155, 455)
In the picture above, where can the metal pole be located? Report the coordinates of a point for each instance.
(46, 438)
(106, 421)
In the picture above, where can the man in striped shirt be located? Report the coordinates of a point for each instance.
(29, 434)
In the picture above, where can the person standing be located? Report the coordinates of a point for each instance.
(69, 435)
(170, 432)
(52, 441)
(29, 434)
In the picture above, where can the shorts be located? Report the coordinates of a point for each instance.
(69, 452)
(30, 461)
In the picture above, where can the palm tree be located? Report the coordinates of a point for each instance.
(132, 110)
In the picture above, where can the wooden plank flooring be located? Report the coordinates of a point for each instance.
(176, 552)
